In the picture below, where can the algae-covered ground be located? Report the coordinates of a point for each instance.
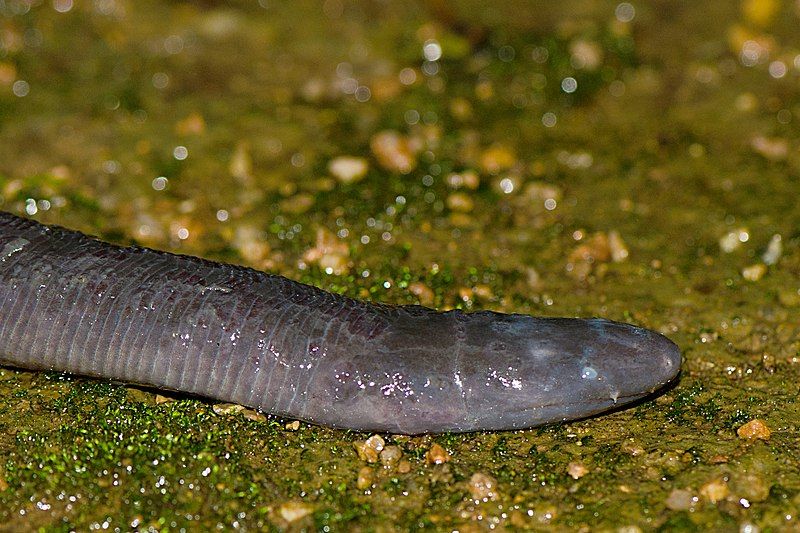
(636, 161)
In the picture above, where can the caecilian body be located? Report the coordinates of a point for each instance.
(71, 303)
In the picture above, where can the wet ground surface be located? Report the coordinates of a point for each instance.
(638, 162)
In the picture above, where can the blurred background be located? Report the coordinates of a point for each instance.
(632, 160)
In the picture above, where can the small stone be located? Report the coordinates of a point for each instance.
(714, 491)
(376, 442)
(163, 399)
(497, 158)
(540, 195)
(755, 429)
(330, 253)
(461, 108)
(772, 148)
(751, 486)
(390, 456)
(586, 54)
(365, 476)
(404, 466)
(348, 169)
(394, 152)
(774, 250)
(294, 511)
(250, 244)
(619, 252)
(632, 448)
(297, 204)
(534, 279)
(8, 73)
(482, 487)
(253, 415)
(292, 426)
(423, 293)
(193, 124)
(227, 408)
(241, 164)
(436, 455)
(468, 179)
(577, 470)
(789, 296)
(460, 202)
(733, 239)
(760, 12)
(681, 500)
(369, 450)
(754, 272)
(586, 256)
(483, 291)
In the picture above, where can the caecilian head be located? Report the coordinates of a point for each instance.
(525, 371)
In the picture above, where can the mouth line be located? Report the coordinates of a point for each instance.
(602, 404)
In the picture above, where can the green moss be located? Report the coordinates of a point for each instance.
(667, 121)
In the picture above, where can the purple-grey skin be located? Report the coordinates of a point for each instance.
(71, 303)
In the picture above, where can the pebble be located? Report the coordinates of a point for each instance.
(460, 108)
(395, 152)
(404, 466)
(423, 293)
(292, 426)
(253, 415)
(733, 240)
(193, 124)
(714, 491)
(755, 429)
(250, 244)
(619, 252)
(329, 252)
(774, 250)
(468, 179)
(390, 456)
(772, 148)
(241, 164)
(586, 54)
(577, 470)
(297, 204)
(482, 487)
(227, 408)
(754, 272)
(760, 12)
(789, 296)
(533, 279)
(585, 257)
(497, 158)
(348, 169)
(8, 73)
(163, 399)
(460, 202)
(365, 477)
(632, 448)
(681, 500)
(294, 511)
(369, 450)
(436, 455)
(754, 488)
(541, 195)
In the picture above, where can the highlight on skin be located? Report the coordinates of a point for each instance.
(72, 303)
